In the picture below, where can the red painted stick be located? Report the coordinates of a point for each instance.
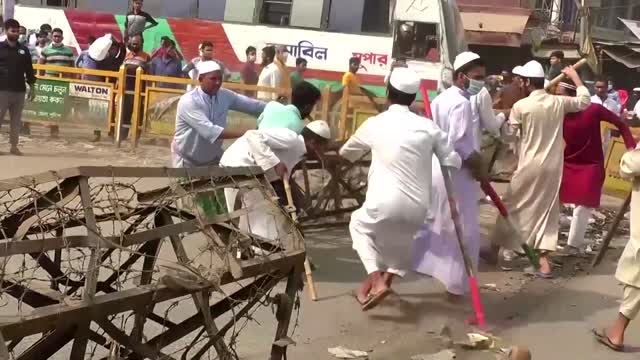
(468, 265)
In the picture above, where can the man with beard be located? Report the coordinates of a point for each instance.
(532, 198)
(201, 119)
(15, 70)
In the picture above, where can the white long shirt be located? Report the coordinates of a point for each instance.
(402, 146)
(484, 117)
(610, 103)
(270, 76)
(398, 197)
(263, 148)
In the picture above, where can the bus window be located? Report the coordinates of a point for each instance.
(416, 40)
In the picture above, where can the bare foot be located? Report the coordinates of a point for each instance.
(545, 265)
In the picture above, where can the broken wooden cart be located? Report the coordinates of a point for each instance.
(120, 262)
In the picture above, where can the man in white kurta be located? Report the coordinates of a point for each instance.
(399, 185)
(532, 198)
(629, 264)
(437, 252)
(276, 151)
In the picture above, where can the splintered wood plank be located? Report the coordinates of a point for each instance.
(49, 344)
(79, 348)
(8, 248)
(11, 223)
(184, 328)
(283, 314)
(200, 299)
(139, 348)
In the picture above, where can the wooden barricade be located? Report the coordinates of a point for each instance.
(124, 248)
(62, 95)
(158, 116)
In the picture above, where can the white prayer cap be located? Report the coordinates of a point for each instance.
(320, 128)
(99, 50)
(405, 80)
(205, 67)
(463, 59)
(532, 69)
(517, 70)
(636, 89)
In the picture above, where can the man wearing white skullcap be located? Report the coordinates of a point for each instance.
(201, 119)
(532, 198)
(276, 151)
(437, 253)
(399, 189)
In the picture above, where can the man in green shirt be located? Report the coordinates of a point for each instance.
(57, 53)
(303, 100)
(297, 76)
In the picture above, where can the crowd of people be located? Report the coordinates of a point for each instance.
(407, 220)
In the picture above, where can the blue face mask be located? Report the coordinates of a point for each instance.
(475, 86)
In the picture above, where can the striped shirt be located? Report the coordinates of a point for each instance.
(57, 55)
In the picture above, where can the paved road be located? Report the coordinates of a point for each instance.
(553, 318)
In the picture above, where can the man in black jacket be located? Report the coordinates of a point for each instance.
(15, 70)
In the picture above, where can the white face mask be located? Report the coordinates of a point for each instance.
(475, 86)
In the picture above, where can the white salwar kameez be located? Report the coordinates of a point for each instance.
(263, 148)
(399, 185)
(437, 252)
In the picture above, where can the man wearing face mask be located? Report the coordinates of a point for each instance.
(23, 39)
(437, 253)
(532, 197)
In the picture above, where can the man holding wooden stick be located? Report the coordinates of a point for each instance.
(532, 198)
(629, 265)
(437, 252)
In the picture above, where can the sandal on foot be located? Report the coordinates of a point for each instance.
(602, 337)
(375, 300)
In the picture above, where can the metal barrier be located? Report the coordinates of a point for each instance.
(111, 91)
(150, 122)
(60, 99)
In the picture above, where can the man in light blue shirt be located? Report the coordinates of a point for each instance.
(201, 119)
(304, 98)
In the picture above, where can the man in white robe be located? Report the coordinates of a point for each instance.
(533, 195)
(276, 151)
(437, 252)
(399, 185)
(628, 271)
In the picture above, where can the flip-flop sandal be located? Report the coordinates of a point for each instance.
(375, 300)
(354, 293)
(539, 274)
(602, 338)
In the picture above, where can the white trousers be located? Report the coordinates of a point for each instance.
(579, 223)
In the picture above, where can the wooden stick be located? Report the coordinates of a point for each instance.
(560, 77)
(612, 231)
(307, 266)
(473, 282)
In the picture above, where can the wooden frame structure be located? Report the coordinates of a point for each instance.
(345, 187)
(102, 214)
